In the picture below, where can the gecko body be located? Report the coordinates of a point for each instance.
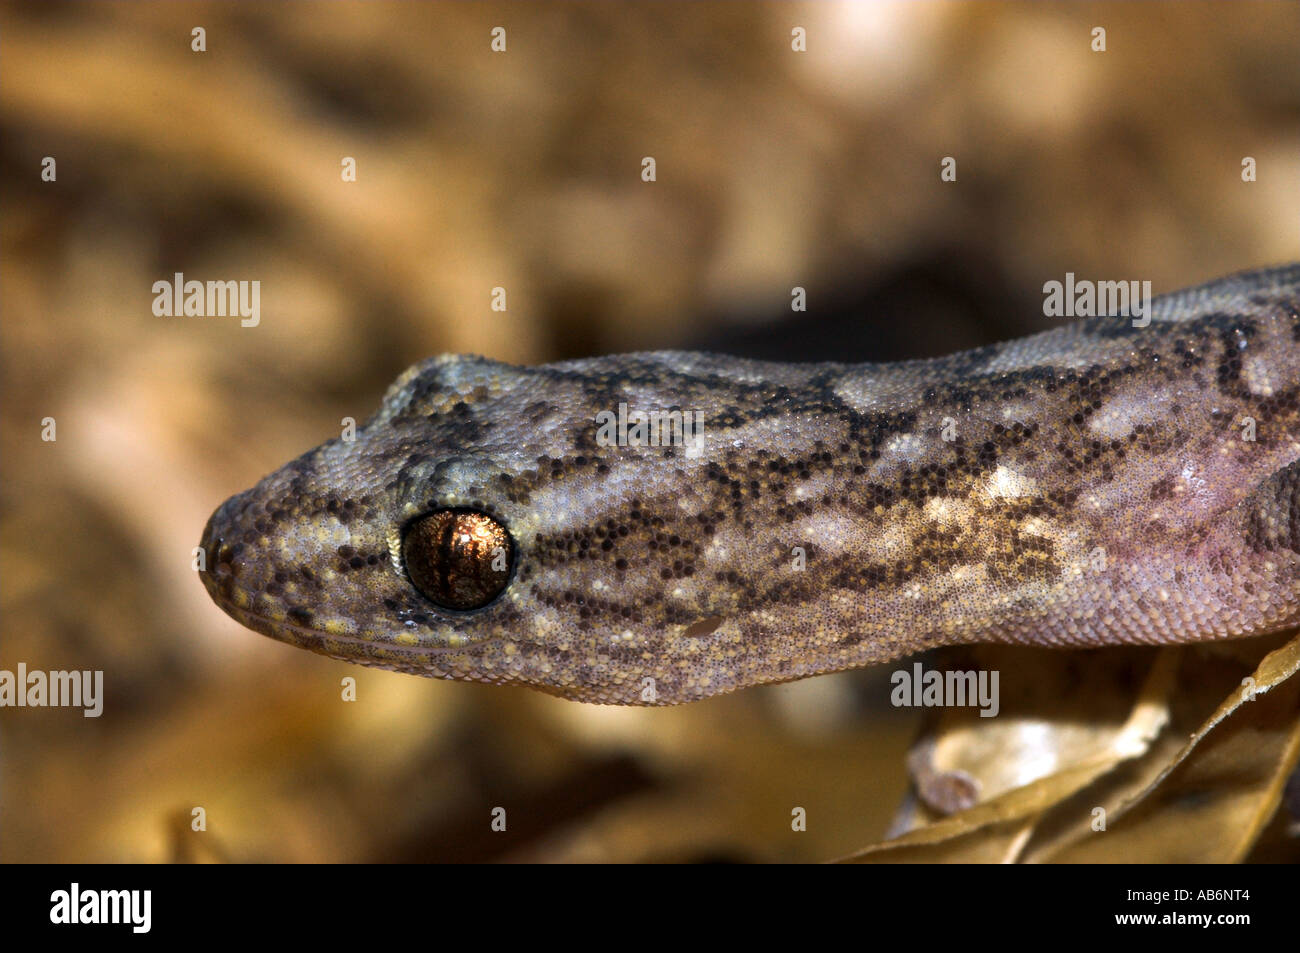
(1096, 484)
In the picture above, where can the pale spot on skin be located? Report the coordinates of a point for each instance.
(891, 543)
(812, 488)
(948, 511)
(1007, 484)
(833, 532)
(1191, 480)
(1123, 411)
(1257, 374)
(1114, 420)
(1018, 412)
(906, 445)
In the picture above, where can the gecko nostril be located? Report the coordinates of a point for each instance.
(210, 541)
(219, 543)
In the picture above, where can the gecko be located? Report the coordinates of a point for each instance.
(1095, 484)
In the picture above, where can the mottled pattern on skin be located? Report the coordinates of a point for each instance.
(1097, 491)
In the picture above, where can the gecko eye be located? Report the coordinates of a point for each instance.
(459, 559)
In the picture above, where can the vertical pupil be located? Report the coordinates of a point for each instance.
(458, 559)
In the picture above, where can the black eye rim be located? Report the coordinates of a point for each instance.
(513, 556)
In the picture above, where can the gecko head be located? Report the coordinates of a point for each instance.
(482, 526)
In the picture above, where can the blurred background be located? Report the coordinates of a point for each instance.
(522, 169)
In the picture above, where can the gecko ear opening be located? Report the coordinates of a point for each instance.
(459, 559)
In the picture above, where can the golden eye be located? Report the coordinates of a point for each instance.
(459, 559)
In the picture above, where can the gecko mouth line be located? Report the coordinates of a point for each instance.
(316, 639)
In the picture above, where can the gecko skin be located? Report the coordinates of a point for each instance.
(1097, 489)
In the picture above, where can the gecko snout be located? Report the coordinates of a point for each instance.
(221, 552)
